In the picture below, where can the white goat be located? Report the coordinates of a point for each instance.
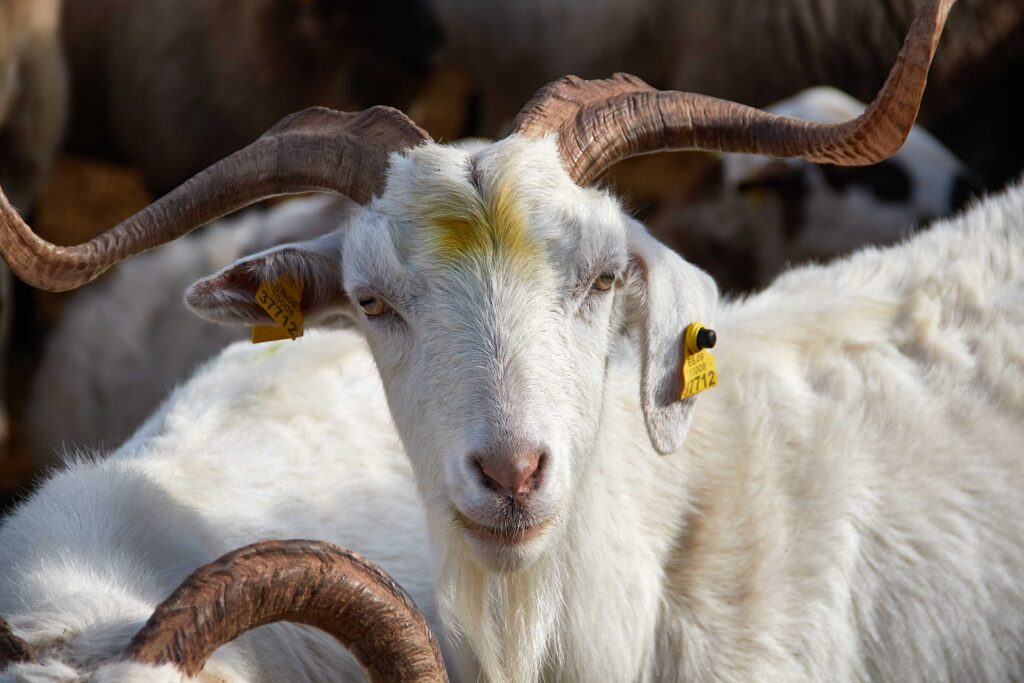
(97, 380)
(754, 553)
(774, 213)
(842, 506)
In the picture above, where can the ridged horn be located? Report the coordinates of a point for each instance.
(306, 582)
(314, 150)
(601, 122)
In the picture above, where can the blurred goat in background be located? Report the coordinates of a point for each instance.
(33, 96)
(762, 215)
(33, 101)
(173, 85)
(754, 52)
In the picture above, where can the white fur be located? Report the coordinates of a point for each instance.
(844, 507)
(122, 344)
(237, 455)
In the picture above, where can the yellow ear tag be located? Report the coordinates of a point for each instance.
(281, 299)
(699, 369)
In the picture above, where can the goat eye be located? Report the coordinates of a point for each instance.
(373, 306)
(604, 282)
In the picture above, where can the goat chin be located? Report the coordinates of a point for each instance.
(508, 618)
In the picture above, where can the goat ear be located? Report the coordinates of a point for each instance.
(664, 295)
(229, 296)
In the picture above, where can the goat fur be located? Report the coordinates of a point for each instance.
(843, 508)
(97, 380)
(236, 455)
(710, 47)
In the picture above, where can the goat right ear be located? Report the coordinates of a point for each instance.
(229, 296)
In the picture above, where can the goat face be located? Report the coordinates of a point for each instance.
(492, 290)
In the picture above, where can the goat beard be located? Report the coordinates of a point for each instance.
(508, 619)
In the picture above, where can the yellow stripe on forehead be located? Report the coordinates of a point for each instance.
(466, 225)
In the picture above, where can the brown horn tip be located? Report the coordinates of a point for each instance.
(306, 582)
(12, 648)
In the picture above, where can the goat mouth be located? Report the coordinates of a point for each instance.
(511, 535)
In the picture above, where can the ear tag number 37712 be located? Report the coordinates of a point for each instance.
(699, 369)
(281, 299)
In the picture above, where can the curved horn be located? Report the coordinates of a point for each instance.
(12, 648)
(602, 122)
(307, 582)
(314, 150)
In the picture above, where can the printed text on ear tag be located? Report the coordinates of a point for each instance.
(281, 299)
(699, 369)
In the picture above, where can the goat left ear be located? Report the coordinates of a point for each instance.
(229, 296)
(664, 295)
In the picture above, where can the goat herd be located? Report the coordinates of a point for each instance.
(495, 410)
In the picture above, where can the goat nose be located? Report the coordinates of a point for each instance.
(517, 475)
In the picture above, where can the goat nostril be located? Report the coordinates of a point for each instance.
(537, 477)
(511, 476)
(485, 478)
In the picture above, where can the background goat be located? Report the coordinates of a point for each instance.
(768, 214)
(87, 559)
(754, 52)
(32, 95)
(97, 381)
(174, 85)
(33, 100)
